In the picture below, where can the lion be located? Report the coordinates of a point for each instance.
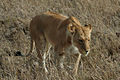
(65, 34)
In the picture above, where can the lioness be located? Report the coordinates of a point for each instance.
(65, 34)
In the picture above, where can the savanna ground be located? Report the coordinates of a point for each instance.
(103, 62)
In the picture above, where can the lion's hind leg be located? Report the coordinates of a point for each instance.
(39, 48)
(47, 52)
(32, 46)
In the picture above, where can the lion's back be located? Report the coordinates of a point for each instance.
(46, 23)
(50, 20)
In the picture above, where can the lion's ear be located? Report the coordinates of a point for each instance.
(71, 28)
(89, 26)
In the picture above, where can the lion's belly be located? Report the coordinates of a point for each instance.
(52, 37)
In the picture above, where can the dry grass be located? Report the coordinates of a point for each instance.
(103, 63)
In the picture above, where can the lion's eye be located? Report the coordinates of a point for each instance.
(88, 39)
(80, 40)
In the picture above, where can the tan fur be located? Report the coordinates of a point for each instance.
(65, 34)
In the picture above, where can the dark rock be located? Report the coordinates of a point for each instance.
(18, 53)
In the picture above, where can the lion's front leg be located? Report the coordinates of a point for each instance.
(61, 60)
(76, 64)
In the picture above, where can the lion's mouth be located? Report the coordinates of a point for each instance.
(87, 53)
(83, 52)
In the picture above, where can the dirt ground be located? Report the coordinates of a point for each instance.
(103, 62)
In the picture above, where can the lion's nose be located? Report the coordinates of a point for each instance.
(87, 51)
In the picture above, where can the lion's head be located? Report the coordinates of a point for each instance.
(80, 36)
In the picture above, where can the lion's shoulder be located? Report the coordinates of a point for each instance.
(75, 20)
